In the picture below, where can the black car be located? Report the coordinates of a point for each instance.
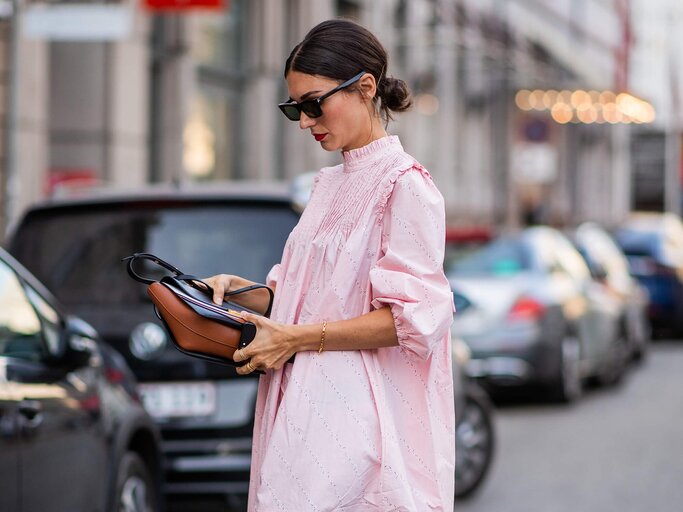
(204, 410)
(73, 433)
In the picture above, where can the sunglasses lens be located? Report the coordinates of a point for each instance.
(291, 111)
(311, 108)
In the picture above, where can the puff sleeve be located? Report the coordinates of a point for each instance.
(408, 277)
(274, 275)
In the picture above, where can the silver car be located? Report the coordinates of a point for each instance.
(534, 315)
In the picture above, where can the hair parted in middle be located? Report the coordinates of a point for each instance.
(339, 49)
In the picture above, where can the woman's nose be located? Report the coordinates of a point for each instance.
(305, 121)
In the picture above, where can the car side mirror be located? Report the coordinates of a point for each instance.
(598, 271)
(461, 302)
(79, 340)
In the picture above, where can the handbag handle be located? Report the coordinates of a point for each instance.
(178, 274)
(147, 256)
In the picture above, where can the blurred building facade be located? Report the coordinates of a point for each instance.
(191, 97)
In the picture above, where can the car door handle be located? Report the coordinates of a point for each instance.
(32, 411)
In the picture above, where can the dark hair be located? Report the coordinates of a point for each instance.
(339, 49)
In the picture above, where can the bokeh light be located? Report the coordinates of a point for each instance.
(581, 106)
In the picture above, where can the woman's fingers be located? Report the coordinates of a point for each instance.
(248, 368)
(220, 284)
(239, 355)
(219, 287)
(257, 320)
(266, 351)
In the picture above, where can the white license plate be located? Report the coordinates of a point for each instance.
(179, 399)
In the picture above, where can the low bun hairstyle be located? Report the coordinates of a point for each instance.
(339, 49)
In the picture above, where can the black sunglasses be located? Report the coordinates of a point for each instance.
(312, 107)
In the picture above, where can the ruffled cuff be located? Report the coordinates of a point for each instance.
(410, 337)
(273, 276)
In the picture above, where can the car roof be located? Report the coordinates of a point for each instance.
(651, 221)
(242, 191)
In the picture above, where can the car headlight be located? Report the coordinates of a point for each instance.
(147, 341)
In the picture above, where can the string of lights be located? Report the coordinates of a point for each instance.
(587, 107)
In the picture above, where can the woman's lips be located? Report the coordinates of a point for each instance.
(319, 136)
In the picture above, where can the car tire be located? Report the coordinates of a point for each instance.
(615, 369)
(135, 490)
(475, 442)
(568, 387)
(641, 342)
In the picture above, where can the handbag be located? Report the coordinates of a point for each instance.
(196, 325)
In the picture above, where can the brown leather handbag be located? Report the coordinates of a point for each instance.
(196, 325)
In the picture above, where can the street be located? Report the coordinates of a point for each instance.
(615, 451)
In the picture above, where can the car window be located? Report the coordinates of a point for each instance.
(50, 320)
(77, 253)
(638, 243)
(20, 328)
(503, 256)
(600, 248)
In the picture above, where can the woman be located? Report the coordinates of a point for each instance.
(363, 419)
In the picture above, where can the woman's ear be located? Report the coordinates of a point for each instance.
(367, 86)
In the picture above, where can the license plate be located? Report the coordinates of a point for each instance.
(179, 399)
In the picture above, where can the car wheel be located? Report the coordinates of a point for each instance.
(568, 385)
(474, 440)
(135, 491)
(642, 342)
(616, 367)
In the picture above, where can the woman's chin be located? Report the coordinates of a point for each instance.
(328, 145)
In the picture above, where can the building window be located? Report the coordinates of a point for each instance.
(348, 9)
(210, 139)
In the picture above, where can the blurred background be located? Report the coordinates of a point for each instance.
(526, 110)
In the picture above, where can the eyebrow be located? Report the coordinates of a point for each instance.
(309, 93)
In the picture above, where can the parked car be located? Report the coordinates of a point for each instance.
(653, 244)
(204, 410)
(463, 240)
(73, 433)
(608, 265)
(535, 316)
(475, 437)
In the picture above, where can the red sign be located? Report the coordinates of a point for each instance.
(68, 181)
(185, 5)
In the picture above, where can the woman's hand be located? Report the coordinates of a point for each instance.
(256, 300)
(221, 284)
(269, 350)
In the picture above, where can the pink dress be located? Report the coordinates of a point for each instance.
(362, 430)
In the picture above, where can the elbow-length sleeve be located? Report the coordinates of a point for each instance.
(409, 276)
(273, 276)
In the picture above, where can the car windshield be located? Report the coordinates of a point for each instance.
(77, 253)
(638, 243)
(504, 256)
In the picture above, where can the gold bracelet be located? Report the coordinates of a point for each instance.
(322, 337)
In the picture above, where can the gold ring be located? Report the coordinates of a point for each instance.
(250, 366)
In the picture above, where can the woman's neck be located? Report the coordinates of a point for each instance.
(375, 132)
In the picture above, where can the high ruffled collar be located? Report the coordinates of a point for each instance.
(363, 157)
